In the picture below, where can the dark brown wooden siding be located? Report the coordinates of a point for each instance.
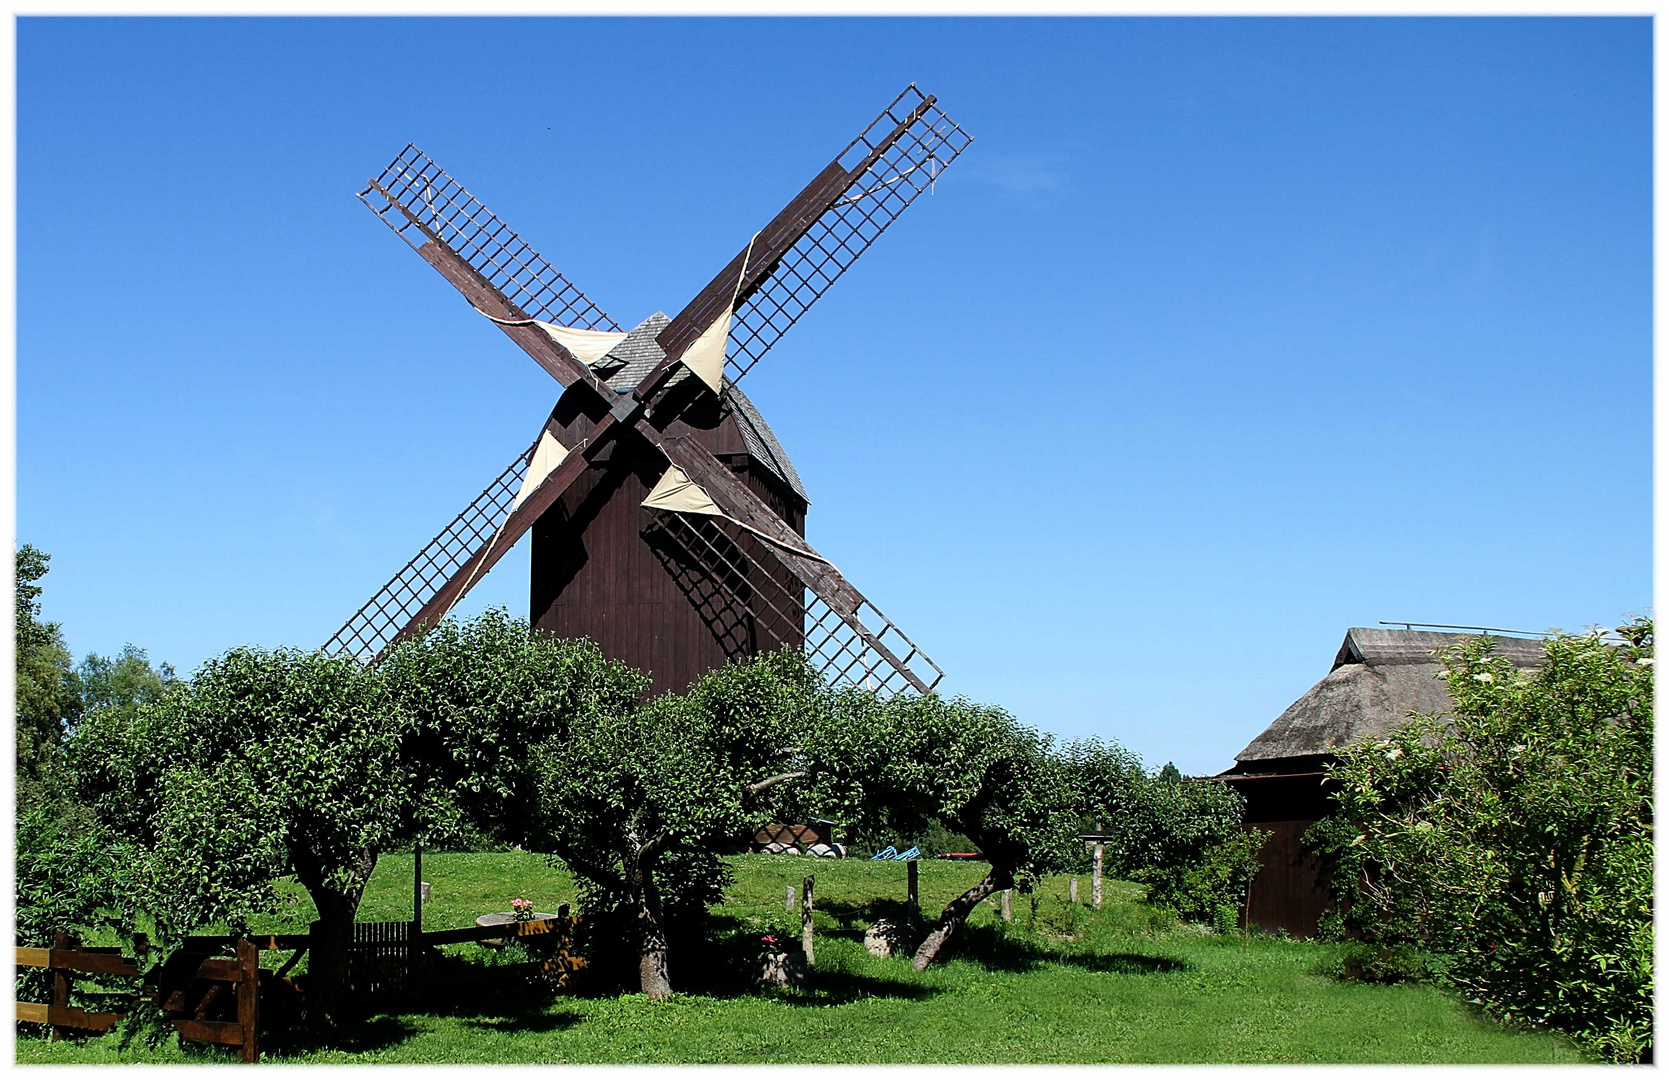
(601, 568)
(1289, 891)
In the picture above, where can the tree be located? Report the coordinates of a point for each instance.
(273, 763)
(48, 694)
(638, 801)
(265, 763)
(1512, 838)
(125, 682)
(1183, 839)
(897, 764)
(479, 695)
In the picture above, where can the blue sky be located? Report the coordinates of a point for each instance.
(1223, 336)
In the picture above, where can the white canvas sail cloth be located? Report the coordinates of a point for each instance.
(588, 346)
(546, 457)
(705, 356)
(677, 492)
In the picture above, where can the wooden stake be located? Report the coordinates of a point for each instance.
(806, 904)
(1095, 883)
(416, 892)
(1008, 905)
(1072, 891)
(912, 886)
(60, 980)
(249, 1001)
(788, 903)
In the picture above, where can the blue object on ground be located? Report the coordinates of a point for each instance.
(913, 853)
(890, 853)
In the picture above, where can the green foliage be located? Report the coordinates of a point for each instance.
(1512, 838)
(71, 872)
(639, 800)
(476, 697)
(897, 766)
(48, 692)
(1183, 840)
(125, 682)
(265, 763)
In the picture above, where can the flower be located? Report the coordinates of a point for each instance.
(1644, 661)
(1394, 753)
(1483, 676)
(768, 940)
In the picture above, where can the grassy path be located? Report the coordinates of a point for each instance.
(1060, 984)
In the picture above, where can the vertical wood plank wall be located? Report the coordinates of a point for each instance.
(599, 572)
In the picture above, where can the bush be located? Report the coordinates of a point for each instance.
(1513, 838)
(1183, 840)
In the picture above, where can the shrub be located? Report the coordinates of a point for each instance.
(1183, 840)
(1513, 838)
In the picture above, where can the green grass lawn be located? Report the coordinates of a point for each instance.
(1062, 983)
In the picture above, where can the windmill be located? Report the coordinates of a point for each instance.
(668, 524)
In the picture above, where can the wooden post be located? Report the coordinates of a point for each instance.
(1008, 905)
(1095, 882)
(249, 1001)
(788, 901)
(1072, 891)
(912, 886)
(806, 904)
(60, 980)
(416, 893)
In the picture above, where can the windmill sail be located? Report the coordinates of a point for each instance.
(381, 620)
(422, 203)
(824, 229)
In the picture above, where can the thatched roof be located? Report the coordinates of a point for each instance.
(1379, 676)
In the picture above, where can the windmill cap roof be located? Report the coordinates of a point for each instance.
(1379, 676)
(629, 362)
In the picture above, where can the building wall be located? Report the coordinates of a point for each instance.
(603, 568)
(1289, 891)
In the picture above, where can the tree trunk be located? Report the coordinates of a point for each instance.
(331, 939)
(651, 929)
(956, 913)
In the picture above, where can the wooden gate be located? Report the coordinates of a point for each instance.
(380, 961)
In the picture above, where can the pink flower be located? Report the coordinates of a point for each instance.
(768, 939)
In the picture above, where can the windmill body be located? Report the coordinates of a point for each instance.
(607, 568)
(668, 523)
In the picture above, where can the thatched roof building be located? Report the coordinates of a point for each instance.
(1378, 678)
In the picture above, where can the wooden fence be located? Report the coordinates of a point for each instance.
(181, 992)
(384, 965)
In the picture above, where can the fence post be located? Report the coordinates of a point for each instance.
(1095, 883)
(60, 979)
(1072, 891)
(788, 900)
(249, 1001)
(1008, 905)
(806, 903)
(416, 892)
(912, 886)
